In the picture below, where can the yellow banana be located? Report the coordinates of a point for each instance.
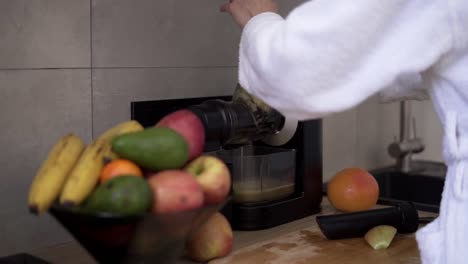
(109, 155)
(53, 172)
(85, 175)
(122, 128)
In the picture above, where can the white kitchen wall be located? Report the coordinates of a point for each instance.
(74, 66)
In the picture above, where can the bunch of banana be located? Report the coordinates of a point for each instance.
(52, 174)
(71, 171)
(84, 176)
(122, 128)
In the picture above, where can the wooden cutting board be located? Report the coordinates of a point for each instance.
(310, 246)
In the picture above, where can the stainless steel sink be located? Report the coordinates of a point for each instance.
(423, 185)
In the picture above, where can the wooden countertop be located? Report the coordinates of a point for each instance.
(298, 242)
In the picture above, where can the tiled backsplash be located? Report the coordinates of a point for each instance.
(37, 107)
(150, 33)
(114, 89)
(44, 34)
(139, 50)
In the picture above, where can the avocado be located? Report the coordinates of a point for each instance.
(156, 148)
(125, 195)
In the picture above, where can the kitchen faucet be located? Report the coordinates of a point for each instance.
(407, 145)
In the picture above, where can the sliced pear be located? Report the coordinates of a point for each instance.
(380, 237)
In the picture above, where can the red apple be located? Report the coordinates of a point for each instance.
(213, 176)
(187, 124)
(212, 240)
(175, 191)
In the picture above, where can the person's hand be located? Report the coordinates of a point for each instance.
(243, 10)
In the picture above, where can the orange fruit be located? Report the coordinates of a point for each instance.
(353, 189)
(119, 167)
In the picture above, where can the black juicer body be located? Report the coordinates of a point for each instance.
(307, 143)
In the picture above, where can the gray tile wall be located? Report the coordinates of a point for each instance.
(36, 107)
(114, 89)
(45, 92)
(148, 33)
(74, 65)
(378, 126)
(429, 128)
(44, 34)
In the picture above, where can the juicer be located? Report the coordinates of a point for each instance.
(275, 161)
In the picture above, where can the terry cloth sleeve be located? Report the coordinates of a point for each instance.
(327, 56)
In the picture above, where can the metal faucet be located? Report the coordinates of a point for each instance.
(407, 145)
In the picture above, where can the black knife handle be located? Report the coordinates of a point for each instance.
(404, 217)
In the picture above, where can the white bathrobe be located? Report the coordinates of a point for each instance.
(328, 56)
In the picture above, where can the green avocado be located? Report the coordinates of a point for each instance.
(124, 195)
(156, 148)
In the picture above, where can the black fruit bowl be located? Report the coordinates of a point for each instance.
(146, 238)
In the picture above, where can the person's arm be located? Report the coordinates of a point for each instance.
(330, 55)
